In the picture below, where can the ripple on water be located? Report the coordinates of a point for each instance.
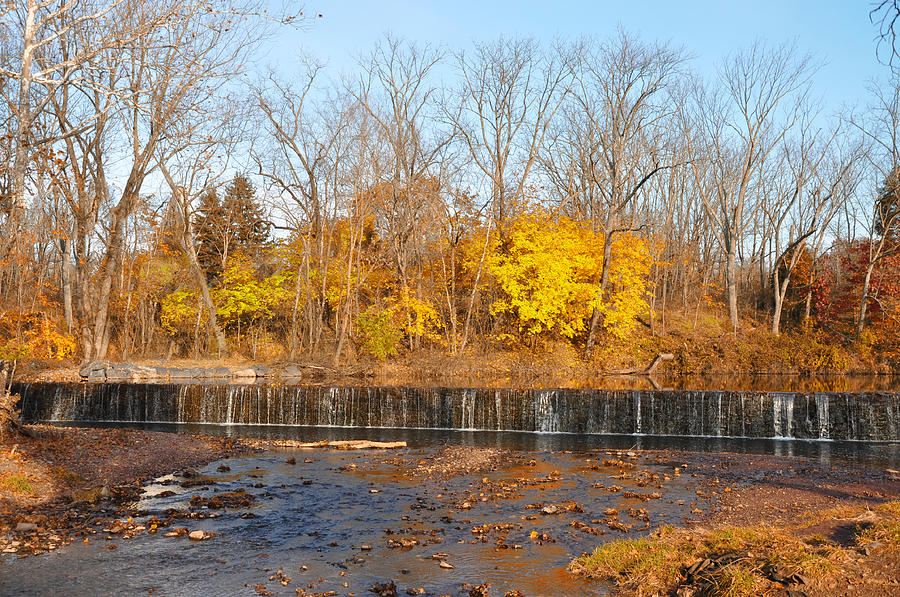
(316, 515)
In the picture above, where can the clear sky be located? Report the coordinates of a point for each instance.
(837, 32)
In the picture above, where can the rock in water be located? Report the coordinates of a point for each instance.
(199, 535)
(385, 589)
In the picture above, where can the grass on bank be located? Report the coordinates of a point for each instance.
(732, 561)
(14, 483)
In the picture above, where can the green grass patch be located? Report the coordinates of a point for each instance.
(884, 531)
(15, 484)
(646, 566)
(733, 581)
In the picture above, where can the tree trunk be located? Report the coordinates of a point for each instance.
(601, 293)
(23, 120)
(808, 307)
(731, 284)
(187, 243)
(65, 250)
(861, 322)
(779, 291)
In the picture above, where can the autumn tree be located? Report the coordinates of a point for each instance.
(611, 143)
(548, 267)
(881, 218)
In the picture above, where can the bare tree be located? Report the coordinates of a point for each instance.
(41, 24)
(885, 14)
(510, 91)
(882, 220)
(806, 196)
(732, 134)
(305, 144)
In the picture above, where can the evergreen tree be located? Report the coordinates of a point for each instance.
(236, 223)
(887, 207)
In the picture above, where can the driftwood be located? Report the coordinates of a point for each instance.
(352, 444)
(648, 370)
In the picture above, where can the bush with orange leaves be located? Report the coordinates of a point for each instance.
(39, 338)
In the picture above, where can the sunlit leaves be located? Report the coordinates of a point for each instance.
(548, 268)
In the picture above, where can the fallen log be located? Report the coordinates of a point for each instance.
(648, 370)
(352, 444)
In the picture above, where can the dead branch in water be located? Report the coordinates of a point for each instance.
(648, 370)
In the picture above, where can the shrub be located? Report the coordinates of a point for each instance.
(379, 334)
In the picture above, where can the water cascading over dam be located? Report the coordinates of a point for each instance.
(688, 413)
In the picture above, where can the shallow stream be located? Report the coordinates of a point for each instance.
(335, 513)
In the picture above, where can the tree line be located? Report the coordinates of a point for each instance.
(502, 194)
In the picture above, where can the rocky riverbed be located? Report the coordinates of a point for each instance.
(431, 519)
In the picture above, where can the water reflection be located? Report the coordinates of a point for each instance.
(880, 454)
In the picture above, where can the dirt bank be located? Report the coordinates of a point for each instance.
(762, 510)
(54, 483)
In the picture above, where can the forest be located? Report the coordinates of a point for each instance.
(160, 198)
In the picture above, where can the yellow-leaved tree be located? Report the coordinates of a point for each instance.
(628, 282)
(548, 269)
(243, 299)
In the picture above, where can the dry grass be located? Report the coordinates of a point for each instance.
(735, 561)
(739, 556)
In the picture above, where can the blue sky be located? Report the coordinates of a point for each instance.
(837, 32)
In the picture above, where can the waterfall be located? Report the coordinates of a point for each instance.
(864, 416)
(822, 415)
(783, 414)
(467, 410)
(546, 418)
(719, 413)
(637, 412)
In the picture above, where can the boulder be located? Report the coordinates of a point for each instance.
(139, 373)
(292, 371)
(94, 369)
(176, 373)
(251, 372)
(217, 372)
(117, 373)
(98, 375)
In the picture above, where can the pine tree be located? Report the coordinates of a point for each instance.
(236, 223)
(249, 228)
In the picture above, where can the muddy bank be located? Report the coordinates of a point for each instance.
(54, 484)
